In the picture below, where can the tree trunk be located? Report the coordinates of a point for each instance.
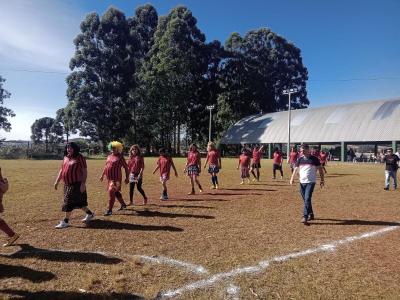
(178, 139)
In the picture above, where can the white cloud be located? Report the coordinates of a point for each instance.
(38, 33)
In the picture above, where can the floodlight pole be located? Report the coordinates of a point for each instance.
(289, 92)
(210, 108)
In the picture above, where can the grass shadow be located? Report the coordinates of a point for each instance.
(28, 251)
(109, 224)
(61, 295)
(7, 271)
(353, 222)
(181, 206)
(340, 175)
(199, 200)
(154, 213)
(263, 190)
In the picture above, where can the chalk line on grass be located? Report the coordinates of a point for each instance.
(266, 263)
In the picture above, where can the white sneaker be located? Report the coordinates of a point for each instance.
(62, 224)
(88, 218)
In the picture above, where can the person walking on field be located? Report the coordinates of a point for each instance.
(112, 170)
(391, 165)
(74, 173)
(164, 164)
(136, 168)
(277, 163)
(307, 166)
(214, 163)
(256, 163)
(193, 168)
(323, 159)
(244, 165)
(12, 236)
(293, 156)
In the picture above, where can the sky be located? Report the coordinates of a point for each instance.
(351, 48)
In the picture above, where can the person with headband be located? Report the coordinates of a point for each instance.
(112, 170)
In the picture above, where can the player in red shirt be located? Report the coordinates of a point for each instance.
(214, 163)
(164, 164)
(112, 170)
(12, 236)
(74, 173)
(244, 164)
(293, 156)
(277, 163)
(193, 168)
(256, 163)
(323, 158)
(136, 168)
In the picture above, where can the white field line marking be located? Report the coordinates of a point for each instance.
(153, 259)
(266, 263)
(233, 291)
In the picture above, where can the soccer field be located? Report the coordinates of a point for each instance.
(238, 242)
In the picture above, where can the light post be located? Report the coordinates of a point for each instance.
(210, 108)
(289, 92)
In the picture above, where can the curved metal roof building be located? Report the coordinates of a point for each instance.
(362, 122)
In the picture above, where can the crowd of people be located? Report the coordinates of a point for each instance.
(304, 161)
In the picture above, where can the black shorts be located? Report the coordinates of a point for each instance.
(277, 167)
(256, 166)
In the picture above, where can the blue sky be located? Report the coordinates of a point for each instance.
(350, 47)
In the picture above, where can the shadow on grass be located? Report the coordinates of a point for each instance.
(153, 213)
(61, 295)
(236, 194)
(353, 222)
(340, 175)
(181, 206)
(263, 190)
(199, 200)
(108, 224)
(28, 251)
(7, 271)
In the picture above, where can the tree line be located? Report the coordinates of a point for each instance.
(147, 79)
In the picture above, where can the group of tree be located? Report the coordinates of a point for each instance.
(4, 111)
(148, 79)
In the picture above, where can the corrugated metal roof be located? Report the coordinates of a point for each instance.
(355, 122)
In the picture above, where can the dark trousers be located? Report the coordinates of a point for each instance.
(306, 190)
(139, 188)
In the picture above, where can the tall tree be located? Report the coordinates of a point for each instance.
(258, 68)
(4, 111)
(173, 74)
(48, 129)
(65, 118)
(102, 76)
(141, 38)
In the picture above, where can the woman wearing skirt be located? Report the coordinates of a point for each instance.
(73, 172)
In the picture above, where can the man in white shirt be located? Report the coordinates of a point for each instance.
(307, 166)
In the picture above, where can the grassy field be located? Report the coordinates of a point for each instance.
(143, 252)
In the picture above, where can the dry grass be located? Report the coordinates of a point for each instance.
(221, 230)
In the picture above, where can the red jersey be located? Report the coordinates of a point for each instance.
(114, 164)
(72, 169)
(165, 163)
(293, 156)
(244, 160)
(257, 156)
(213, 157)
(277, 157)
(193, 158)
(323, 156)
(135, 164)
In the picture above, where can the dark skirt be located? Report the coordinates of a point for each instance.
(73, 198)
(213, 169)
(193, 170)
